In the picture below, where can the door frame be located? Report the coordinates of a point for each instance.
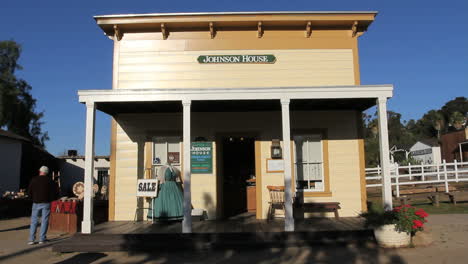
(220, 166)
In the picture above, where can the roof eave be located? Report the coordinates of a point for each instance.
(181, 20)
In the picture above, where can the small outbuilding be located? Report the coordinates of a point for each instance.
(20, 161)
(72, 171)
(427, 151)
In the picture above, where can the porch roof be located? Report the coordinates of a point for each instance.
(236, 20)
(236, 99)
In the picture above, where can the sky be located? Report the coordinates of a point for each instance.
(421, 47)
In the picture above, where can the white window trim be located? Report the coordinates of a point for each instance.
(165, 140)
(319, 136)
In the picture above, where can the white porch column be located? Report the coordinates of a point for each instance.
(187, 222)
(288, 201)
(384, 153)
(88, 224)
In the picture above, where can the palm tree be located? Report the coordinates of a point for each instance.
(438, 122)
(457, 120)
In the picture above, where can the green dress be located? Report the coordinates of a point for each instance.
(169, 203)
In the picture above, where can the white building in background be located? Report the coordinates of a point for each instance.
(426, 151)
(72, 171)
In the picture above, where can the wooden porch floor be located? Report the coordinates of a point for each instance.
(243, 231)
(238, 224)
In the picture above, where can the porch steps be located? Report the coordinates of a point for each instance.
(209, 241)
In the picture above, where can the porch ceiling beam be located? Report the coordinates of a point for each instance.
(145, 95)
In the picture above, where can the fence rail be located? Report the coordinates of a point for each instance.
(443, 173)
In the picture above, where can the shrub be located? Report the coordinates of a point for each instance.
(406, 218)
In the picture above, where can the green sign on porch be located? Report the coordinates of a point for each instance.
(259, 59)
(201, 157)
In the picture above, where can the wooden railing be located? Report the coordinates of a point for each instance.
(443, 173)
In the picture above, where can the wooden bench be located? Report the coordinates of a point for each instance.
(433, 197)
(312, 207)
(431, 193)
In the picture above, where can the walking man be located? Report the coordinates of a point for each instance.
(42, 190)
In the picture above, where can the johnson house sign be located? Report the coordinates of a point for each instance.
(261, 59)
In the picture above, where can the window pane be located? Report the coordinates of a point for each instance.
(160, 153)
(308, 157)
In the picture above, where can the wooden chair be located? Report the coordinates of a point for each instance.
(276, 200)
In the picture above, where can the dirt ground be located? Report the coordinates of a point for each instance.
(450, 234)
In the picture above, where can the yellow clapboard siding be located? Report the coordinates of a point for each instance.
(180, 69)
(330, 66)
(122, 155)
(237, 83)
(152, 45)
(213, 75)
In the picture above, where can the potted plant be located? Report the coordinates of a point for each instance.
(396, 227)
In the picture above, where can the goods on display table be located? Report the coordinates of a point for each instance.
(15, 204)
(15, 195)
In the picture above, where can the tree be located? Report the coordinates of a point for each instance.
(17, 106)
(430, 125)
(403, 134)
(457, 120)
(459, 104)
(398, 134)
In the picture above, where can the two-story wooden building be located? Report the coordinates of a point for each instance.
(237, 86)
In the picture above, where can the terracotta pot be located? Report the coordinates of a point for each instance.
(388, 236)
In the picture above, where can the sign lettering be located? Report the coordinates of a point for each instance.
(201, 157)
(147, 188)
(226, 59)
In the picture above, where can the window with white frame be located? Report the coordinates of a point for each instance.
(165, 149)
(308, 163)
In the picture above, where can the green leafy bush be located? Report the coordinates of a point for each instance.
(406, 218)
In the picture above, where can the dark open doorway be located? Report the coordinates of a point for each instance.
(238, 166)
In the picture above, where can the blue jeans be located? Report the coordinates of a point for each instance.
(44, 210)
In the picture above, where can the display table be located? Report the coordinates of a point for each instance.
(66, 216)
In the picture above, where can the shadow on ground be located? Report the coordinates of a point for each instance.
(333, 254)
(15, 228)
(84, 258)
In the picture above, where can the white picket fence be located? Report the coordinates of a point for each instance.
(444, 173)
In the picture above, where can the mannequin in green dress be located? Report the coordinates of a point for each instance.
(168, 205)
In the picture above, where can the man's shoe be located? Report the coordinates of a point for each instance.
(31, 243)
(42, 242)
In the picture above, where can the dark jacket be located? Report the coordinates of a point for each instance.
(42, 189)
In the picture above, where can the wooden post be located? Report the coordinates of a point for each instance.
(422, 172)
(438, 172)
(456, 170)
(409, 170)
(397, 180)
(289, 219)
(87, 224)
(446, 180)
(187, 222)
(384, 153)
